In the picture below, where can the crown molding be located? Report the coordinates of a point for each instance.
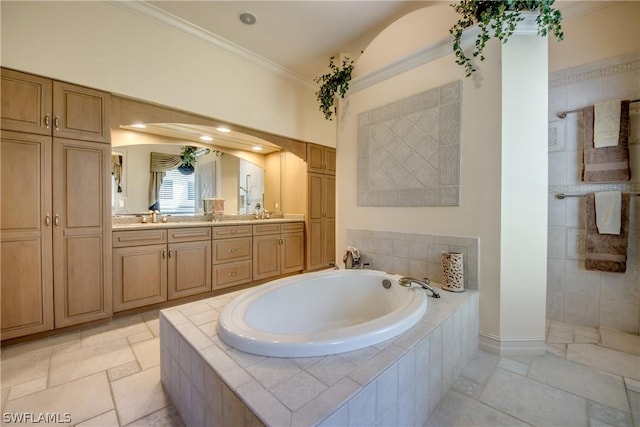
(436, 50)
(165, 18)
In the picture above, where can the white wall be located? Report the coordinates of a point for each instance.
(604, 33)
(106, 46)
(479, 213)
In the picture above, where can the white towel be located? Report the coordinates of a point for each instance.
(606, 126)
(608, 212)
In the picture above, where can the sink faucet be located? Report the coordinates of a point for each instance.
(352, 258)
(424, 284)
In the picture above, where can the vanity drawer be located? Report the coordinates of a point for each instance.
(138, 238)
(227, 231)
(226, 250)
(231, 274)
(262, 229)
(292, 227)
(189, 234)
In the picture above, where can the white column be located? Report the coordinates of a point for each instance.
(523, 240)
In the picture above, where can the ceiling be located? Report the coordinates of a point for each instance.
(299, 36)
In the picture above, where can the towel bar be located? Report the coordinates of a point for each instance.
(563, 195)
(563, 114)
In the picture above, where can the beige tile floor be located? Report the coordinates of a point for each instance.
(109, 375)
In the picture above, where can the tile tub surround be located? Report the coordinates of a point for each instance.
(397, 382)
(415, 255)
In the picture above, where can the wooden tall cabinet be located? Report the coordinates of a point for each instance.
(56, 214)
(25, 234)
(81, 233)
(321, 220)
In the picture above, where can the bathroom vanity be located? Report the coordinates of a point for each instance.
(155, 263)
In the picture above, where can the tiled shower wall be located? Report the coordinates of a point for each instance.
(415, 255)
(575, 295)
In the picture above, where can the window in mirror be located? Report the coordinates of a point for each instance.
(177, 193)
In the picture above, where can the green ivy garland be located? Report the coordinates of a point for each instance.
(336, 81)
(499, 18)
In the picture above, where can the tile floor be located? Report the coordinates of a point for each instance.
(109, 375)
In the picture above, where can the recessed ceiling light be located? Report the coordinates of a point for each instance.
(206, 138)
(247, 18)
(256, 148)
(223, 129)
(139, 125)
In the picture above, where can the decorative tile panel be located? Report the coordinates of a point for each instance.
(409, 150)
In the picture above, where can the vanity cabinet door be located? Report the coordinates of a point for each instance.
(266, 256)
(26, 102)
(139, 276)
(81, 235)
(292, 248)
(25, 234)
(189, 268)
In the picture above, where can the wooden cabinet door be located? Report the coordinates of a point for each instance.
(266, 256)
(315, 158)
(189, 268)
(26, 102)
(80, 113)
(315, 222)
(139, 276)
(292, 252)
(25, 234)
(329, 161)
(321, 221)
(81, 231)
(329, 224)
(321, 159)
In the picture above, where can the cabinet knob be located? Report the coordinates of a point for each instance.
(56, 220)
(164, 253)
(56, 122)
(233, 250)
(47, 219)
(47, 120)
(233, 273)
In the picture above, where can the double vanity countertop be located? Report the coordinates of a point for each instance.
(179, 223)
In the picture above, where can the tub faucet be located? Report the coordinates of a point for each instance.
(424, 284)
(352, 258)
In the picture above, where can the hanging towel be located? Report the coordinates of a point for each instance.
(606, 252)
(606, 124)
(606, 164)
(608, 212)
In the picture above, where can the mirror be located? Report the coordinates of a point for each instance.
(216, 174)
(251, 167)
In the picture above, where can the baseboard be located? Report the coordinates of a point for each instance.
(534, 346)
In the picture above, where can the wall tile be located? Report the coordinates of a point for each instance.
(575, 88)
(581, 310)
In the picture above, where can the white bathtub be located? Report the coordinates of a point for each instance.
(321, 313)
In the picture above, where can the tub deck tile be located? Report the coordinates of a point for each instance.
(338, 382)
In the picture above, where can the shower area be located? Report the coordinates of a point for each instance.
(586, 306)
(250, 188)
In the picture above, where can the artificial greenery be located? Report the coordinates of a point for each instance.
(188, 155)
(335, 82)
(498, 18)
